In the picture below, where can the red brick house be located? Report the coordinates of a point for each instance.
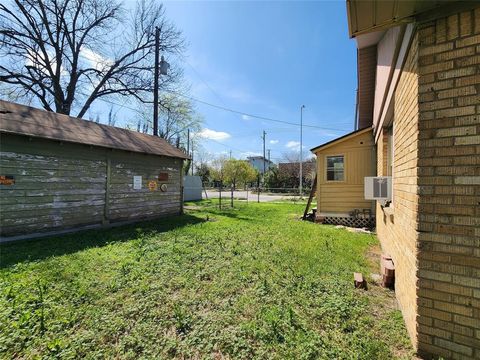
(419, 89)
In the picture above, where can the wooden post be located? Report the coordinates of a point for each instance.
(258, 189)
(205, 191)
(220, 197)
(231, 196)
(312, 193)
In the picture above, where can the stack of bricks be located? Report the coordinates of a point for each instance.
(448, 294)
(388, 271)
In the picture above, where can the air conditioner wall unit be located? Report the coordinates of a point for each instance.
(378, 188)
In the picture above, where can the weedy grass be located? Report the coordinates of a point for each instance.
(251, 282)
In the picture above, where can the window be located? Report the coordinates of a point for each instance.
(335, 168)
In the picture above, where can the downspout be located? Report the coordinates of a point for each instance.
(355, 121)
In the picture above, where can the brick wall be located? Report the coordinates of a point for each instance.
(432, 229)
(449, 186)
(397, 229)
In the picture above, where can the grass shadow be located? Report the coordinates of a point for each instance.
(42, 248)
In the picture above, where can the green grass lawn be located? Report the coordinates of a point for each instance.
(249, 282)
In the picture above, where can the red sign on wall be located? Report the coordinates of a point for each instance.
(163, 176)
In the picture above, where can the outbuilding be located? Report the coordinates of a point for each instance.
(59, 173)
(342, 165)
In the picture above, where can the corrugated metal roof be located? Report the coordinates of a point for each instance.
(365, 16)
(29, 121)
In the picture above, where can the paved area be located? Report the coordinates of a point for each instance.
(242, 195)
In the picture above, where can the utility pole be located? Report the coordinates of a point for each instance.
(155, 81)
(263, 137)
(188, 150)
(192, 157)
(230, 154)
(301, 150)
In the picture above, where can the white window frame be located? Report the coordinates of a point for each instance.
(344, 167)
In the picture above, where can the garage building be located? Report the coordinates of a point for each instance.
(59, 173)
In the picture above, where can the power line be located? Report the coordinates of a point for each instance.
(218, 142)
(235, 135)
(228, 146)
(183, 57)
(224, 108)
(248, 114)
(228, 110)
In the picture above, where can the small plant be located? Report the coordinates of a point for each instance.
(182, 320)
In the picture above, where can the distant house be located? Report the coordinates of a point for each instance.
(342, 165)
(419, 88)
(60, 173)
(260, 163)
(291, 170)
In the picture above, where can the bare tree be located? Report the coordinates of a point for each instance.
(177, 116)
(202, 156)
(289, 168)
(68, 53)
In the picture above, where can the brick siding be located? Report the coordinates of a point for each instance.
(432, 230)
(449, 186)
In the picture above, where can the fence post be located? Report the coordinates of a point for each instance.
(258, 189)
(204, 190)
(220, 197)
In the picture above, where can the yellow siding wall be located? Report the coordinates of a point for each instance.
(335, 197)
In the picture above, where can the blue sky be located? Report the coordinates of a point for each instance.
(268, 58)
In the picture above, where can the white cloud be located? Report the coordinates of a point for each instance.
(36, 60)
(249, 153)
(96, 60)
(245, 117)
(293, 144)
(213, 135)
(273, 142)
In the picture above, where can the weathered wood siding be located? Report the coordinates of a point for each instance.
(126, 203)
(341, 197)
(63, 185)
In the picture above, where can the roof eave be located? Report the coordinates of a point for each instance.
(340, 139)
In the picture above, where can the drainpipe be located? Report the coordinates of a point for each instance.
(355, 120)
